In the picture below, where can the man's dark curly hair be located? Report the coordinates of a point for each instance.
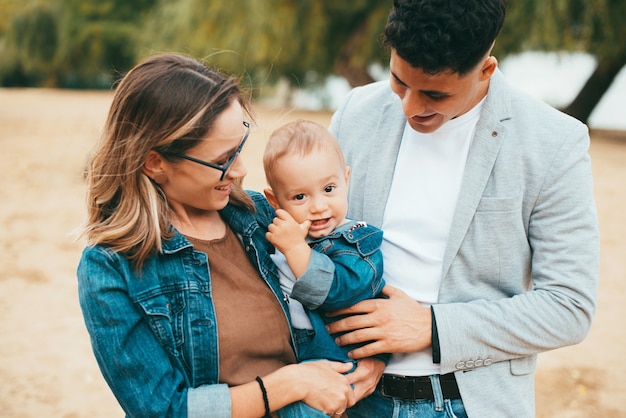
(443, 35)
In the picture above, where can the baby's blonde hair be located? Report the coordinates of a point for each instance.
(299, 137)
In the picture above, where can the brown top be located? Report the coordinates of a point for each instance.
(253, 332)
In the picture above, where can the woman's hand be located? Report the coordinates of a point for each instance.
(320, 384)
(365, 377)
(327, 387)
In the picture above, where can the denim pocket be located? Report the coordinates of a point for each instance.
(303, 336)
(164, 313)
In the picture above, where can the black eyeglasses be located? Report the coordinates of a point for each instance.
(222, 167)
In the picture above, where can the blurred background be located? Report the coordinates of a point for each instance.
(60, 60)
(281, 48)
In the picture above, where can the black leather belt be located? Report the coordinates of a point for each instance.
(417, 387)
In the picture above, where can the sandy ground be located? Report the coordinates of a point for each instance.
(46, 365)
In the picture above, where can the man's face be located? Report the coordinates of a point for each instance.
(430, 100)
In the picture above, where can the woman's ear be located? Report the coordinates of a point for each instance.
(271, 198)
(153, 167)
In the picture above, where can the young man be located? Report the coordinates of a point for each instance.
(485, 196)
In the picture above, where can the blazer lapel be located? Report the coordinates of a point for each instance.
(486, 144)
(386, 139)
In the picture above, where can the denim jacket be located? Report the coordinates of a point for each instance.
(155, 336)
(346, 267)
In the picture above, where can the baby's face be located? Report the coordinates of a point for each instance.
(314, 188)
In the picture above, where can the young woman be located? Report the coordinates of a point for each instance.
(178, 291)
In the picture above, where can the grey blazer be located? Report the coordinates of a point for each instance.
(520, 269)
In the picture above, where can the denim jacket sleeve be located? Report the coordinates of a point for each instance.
(142, 376)
(345, 268)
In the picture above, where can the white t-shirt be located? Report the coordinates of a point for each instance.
(418, 215)
(299, 317)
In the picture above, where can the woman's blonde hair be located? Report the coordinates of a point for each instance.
(166, 103)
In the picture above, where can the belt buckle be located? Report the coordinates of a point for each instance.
(403, 387)
(384, 381)
(381, 384)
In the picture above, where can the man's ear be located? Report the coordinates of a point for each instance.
(153, 167)
(271, 198)
(489, 67)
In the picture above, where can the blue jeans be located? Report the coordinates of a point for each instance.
(378, 405)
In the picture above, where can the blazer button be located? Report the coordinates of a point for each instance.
(460, 365)
(478, 363)
(487, 361)
(469, 364)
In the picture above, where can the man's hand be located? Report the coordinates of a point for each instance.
(397, 324)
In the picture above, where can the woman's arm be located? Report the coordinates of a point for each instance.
(144, 378)
(135, 366)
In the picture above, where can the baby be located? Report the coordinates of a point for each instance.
(326, 261)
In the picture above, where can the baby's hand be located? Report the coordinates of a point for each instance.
(285, 233)
(289, 237)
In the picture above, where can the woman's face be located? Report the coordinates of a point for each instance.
(193, 187)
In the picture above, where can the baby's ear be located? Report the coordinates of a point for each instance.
(271, 198)
(348, 174)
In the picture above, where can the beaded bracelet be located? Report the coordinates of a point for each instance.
(266, 402)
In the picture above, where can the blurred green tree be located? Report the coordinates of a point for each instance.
(30, 45)
(98, 40)
(304, 39)
(69, 43)
(592, 26)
